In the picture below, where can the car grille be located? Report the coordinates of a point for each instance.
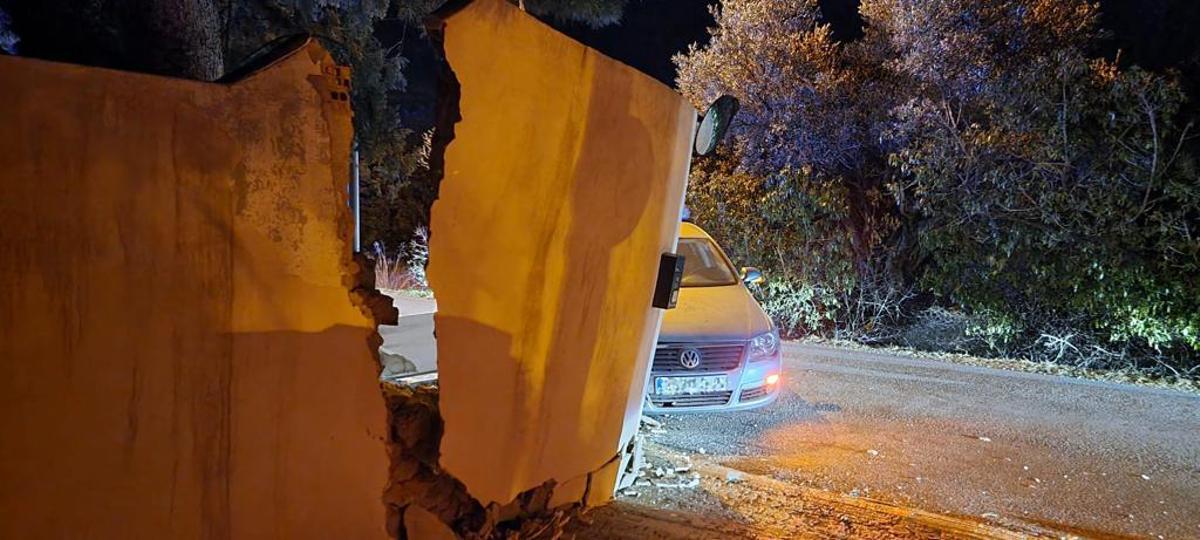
(691, 400)
(713, 357)
(751, 394)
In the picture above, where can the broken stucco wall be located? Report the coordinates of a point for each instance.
(562, 188)
(179, 353)
(425, 502)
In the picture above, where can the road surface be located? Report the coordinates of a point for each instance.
(1089, 458)
(859, 438)
(409, 347)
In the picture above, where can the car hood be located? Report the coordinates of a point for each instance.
(714, 314)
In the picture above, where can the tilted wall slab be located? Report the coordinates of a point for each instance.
(180, 356)
(563, 187)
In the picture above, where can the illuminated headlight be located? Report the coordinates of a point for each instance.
(764, 345)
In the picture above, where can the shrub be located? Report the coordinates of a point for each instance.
(406, 270)
(964, 153)
(798, 309)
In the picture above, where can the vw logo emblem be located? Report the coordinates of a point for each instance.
(689, 358)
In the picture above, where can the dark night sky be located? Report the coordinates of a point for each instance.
(651, 31)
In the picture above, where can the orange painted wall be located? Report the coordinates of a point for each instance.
(179, 355)
(563, 187)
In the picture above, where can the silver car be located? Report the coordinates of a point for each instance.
(717, 350)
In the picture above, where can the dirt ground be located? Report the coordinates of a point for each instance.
(700, 499)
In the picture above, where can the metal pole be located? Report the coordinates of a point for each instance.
(354, 205)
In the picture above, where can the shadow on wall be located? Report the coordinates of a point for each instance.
(612, 189)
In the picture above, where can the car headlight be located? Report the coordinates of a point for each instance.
(764, 345)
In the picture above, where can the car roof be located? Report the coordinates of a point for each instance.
(690, 230)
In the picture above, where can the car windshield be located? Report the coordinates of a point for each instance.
(703, 265)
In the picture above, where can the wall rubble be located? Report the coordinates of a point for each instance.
(418, 485)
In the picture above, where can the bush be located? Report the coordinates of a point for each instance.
(798, 309)
(406, 270)
(965, 154)
(794, 228)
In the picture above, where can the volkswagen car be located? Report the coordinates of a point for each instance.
(717, 350)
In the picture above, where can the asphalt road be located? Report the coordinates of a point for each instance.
(1095, 459)
(409, 347)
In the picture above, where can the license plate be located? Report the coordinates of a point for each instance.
(673, 386)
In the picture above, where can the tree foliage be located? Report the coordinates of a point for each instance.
(973, 150)
(8, 38)
(595, 13)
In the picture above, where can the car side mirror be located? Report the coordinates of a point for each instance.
(715, 124)
(752, 276)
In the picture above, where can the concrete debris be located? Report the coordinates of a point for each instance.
(985, 439)
(872, 452)
(733, 476)
(425, 501)
(687, 484)
(633, 463)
